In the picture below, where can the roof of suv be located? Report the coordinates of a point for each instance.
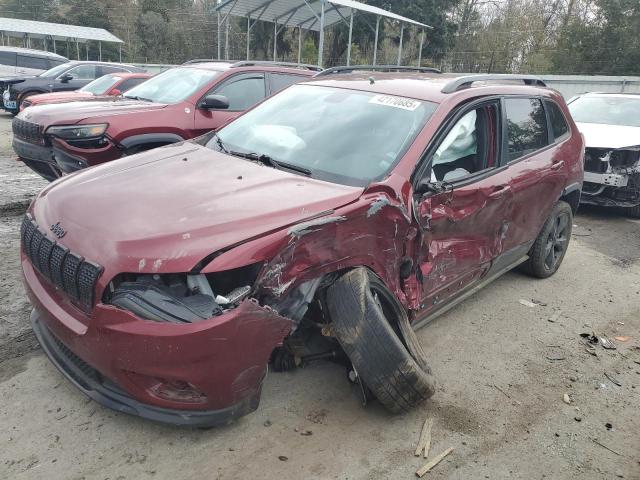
(428, 86)
(31, 51)
(108, 64)
(223, 65)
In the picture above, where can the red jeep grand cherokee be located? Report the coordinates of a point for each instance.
(327, 222)
(176, 105)
(107, 87)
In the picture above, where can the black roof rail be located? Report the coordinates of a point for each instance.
(467, 80)
(205, 60)
(266, 63)
(376, 68)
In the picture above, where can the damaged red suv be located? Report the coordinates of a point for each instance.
(328, 222)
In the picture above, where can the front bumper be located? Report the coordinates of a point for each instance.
(38, 158)
(111, 355)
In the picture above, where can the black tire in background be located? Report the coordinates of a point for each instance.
(373, 330)
(633, 212)
(552, 242)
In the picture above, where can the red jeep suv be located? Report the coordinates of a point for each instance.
(176, 105)
(327, 222)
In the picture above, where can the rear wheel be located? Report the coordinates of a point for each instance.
(550, 247)
(374, 331)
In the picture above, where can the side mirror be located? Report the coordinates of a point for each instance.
(115, 92)
(67, 77)
(214, 102)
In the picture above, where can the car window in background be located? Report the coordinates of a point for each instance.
(107, 69)
(173, 85)
(281, 81)
(55, 63)
(129, 83)
(8, 58)
(101, 85)
(304, 126)
(83, 72)
(55, 71)
(607, 110)
(27, 61)
(526, 126)
(244, 92)
(559, 125)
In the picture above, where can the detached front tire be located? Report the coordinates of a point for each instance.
(374, 331)
(552, 242)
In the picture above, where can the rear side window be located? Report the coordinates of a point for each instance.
(559, 125)
(526, 126)
(130, 83)
(83, 72)
(26, 61)
(106, 70)
(8, 58)
(244, 92)
(280, 81)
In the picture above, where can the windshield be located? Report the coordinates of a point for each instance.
(101, 85)
(606, 109)
(172, 86)
(339, 135)
(55, 71)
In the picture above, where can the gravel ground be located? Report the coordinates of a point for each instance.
(502, 369)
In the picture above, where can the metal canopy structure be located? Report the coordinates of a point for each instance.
(310, 15)
(28, 29)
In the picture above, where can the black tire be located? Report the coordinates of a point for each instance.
(633, 212)
(552, 242)
(373, 330)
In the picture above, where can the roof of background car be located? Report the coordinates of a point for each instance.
(262, 67)
(418, 85)
(32, 51)
(95, 62)
(126, 75)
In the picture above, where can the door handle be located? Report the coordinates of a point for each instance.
(499, 191)
(557, 164)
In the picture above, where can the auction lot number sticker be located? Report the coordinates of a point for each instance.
(395, 102)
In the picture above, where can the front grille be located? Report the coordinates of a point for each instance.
(83, 366)
(28, 131)
(69, 272)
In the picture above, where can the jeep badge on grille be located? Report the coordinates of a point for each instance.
(57, 230)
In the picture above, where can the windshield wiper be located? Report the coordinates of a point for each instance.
(220, 144)
(270, 162)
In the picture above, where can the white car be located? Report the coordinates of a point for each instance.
(610, 123)
(20, 62)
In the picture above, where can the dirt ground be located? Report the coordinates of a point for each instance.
(502, 370)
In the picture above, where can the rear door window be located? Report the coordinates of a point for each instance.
(8, 59)
(559, 126)
(526, 127)
(83, 72)
(280, 81)
(243, 91)
(108, 69)
(27, 61)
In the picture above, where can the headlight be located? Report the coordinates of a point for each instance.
(77, 132)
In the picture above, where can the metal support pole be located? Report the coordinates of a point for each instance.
(77, 49)
(299, 44)
(400, 46)
(219, 38)
(100, 50)
(120, 53)
(350, 36)
(248, 35)
(54, 44)
(321, 41)
(86, 49)
(420, 49)
(226, 39)
(375, 43)
(275, 40)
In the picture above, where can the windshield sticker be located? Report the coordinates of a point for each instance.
(395, 102)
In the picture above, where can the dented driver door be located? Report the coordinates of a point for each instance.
(465, 206)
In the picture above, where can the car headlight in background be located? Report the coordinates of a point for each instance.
(77, 132)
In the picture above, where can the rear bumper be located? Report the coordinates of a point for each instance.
(38, 158)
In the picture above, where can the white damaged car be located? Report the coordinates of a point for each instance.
(610, 123)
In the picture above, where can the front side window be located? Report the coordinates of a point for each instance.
(37, 63)
(83, 72)
(243, 93)
(559, 125)
(469, 147)
(101, 85)
(173, 86)
(607, 110)
(339, 135)
(526, 126)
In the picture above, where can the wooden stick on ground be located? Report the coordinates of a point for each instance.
(427, 442)
(426, 430)
(422, 471)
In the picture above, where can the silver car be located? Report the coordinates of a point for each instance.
(21, 62)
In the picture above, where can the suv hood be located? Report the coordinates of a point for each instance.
(598, 135)
(62, 114)
(166, 209)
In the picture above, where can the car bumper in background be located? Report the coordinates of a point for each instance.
(38, 158)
